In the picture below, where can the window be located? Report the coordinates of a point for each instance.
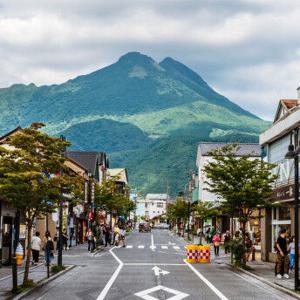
(160, 204)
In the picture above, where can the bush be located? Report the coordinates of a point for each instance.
(238, 252)
(56, 269)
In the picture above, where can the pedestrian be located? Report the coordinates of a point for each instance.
(216, 241)
(65, 239)
(291, 248)
(227, 239)
(107, 233)
(248, 245)
(91, 240)
(36, 245)
(48, 248)
(122, 236)
(282, 258)
(116, 235)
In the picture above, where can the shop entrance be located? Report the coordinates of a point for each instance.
(7, 231)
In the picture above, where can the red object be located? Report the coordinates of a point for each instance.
(91, 216)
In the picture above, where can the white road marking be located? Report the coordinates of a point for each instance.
(158, 271)
(129, 246)
(164, 247)
(113, 277)
(145, 294)
(152, 264)
(141, 246)
(152, 247)
(176, 247)
(208, 283)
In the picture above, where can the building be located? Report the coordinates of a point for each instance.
(155, 205)
(275, 142)
(222, 222)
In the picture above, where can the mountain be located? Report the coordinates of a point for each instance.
(148, 116)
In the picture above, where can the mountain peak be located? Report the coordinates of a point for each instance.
(135, 58)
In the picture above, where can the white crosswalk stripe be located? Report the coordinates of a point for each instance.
(129, 246)
(176, 247)
(141, 246)
(164, 247)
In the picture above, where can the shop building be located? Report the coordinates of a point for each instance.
(222, 221)
(275, 142)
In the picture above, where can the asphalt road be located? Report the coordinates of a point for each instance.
(151, 267)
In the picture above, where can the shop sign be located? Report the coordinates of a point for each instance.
(284, 192)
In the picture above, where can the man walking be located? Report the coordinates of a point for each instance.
(282, 258)
(36, 244)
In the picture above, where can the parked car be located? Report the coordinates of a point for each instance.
(162, 226)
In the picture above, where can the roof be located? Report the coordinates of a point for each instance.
(285, 107)
(2, 138)
(244, 149)
(87, 159)
(157, 197)
(120, 173)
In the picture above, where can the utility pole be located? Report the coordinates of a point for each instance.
(47, 229)
(15, 245)
(60, 245)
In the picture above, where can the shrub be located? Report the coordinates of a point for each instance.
(56, 269)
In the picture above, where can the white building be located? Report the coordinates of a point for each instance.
(155, 205)
(203, 158)
(275, 141)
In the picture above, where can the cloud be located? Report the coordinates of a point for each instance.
(248, 49)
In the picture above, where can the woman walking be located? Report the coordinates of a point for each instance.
(91, 240)
(216, 241)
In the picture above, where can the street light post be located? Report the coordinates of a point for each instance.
(293, 153)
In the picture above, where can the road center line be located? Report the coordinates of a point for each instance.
(208, 283)
(113, 277)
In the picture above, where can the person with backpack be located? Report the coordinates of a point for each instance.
(48, 248)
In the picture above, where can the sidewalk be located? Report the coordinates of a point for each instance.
(36, 273)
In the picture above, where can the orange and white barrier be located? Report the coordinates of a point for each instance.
(197, 254)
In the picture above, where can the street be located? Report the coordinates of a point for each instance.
(151, 267)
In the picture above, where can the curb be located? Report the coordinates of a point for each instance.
(273, 285)
(43, 282)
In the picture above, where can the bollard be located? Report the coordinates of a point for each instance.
(191, 253)
(203, 254)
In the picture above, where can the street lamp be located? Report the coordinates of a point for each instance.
(294, 154)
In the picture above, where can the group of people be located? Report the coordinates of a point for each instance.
(110, 237)
(47, 245)
(285, 255)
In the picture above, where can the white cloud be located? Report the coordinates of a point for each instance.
(248, 49)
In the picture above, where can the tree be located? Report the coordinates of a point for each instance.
(205, 210)
(28, 181)
(113, 199)
(243, 182)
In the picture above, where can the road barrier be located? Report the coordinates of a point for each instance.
(197, 253)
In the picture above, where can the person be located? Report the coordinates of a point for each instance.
(36, 244)
(122, 236)
(208, 235)
(227, 239)
(248, 245)
(48, 248)
(65, 240)
(91, 240)
(282, 258)
(216, 241)
(116, 235)
(106, 231)
(291, 249)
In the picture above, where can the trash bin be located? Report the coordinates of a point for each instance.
(204, 254)
(191, 253)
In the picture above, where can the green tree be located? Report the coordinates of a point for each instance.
(203, 211)
(28, 183)
(243, 182)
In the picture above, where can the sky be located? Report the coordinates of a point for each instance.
(248, 50)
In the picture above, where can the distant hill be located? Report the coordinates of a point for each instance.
(148, 116)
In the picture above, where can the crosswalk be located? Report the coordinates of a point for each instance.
(162, 247)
